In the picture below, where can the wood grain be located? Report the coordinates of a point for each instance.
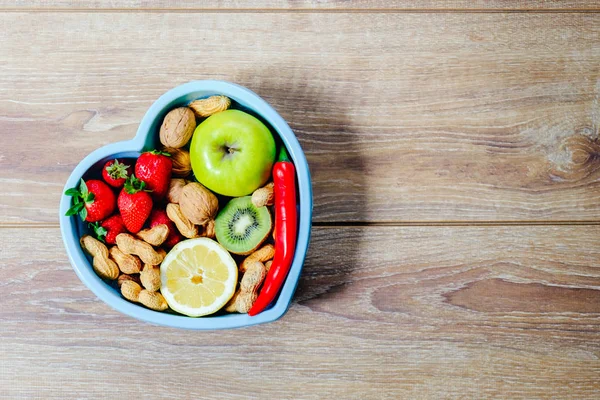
(403, 117)
(380, 312)
(410, 112)
(288, 5)
(439, 119)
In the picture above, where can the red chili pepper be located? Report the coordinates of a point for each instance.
(286, 222)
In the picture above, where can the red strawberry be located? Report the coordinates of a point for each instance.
(115, 173)
(108, 230)
(154, 168)
(93, 200)
(135, 204)
(160, 217)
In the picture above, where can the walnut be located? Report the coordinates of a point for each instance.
(198, 203)
(177, 127)
(175, 187)
(182, 166)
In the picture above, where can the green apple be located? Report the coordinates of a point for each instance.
(232, 153)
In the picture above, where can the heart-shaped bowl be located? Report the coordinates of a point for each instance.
(72, 228)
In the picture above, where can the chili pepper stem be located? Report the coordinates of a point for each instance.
(283, 155)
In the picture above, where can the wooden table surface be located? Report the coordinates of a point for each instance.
(455, 155)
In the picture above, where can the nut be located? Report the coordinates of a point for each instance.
(265, 253)
(131, 290)
(155, 235)
(161, 252)
(246, 295)
(182, 166)
(210, 106)
(268, 265)
(124, 277)
(198, 203)
(263, 196)
(153, 300)
(184, 225)
(150, 277)
(177, 127)
(208, 230)
(128, 263)
(175, 187)
(130, 245)
(102, 264)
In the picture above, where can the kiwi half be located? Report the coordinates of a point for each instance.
(241, 227)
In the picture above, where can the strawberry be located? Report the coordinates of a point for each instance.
(108, 230)
(93, 200)
(135, 204)
(154, 168)
(115, 173)
(160, 217)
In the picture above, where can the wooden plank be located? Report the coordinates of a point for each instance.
(394, 5)
(403, 117)
(381, 312)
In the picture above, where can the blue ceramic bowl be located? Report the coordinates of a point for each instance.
(147, 138)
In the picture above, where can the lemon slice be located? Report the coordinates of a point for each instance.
(198, 277)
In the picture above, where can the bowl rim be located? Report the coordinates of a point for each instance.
(108, 295)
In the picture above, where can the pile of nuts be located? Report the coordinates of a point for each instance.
(123, 263)
(253, 273)
(192, 208)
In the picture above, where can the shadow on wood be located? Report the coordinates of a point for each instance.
(301, 101)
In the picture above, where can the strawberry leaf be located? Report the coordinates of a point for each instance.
(159, 152)
(72, 192)
(134, 185)
(100, 231)
(89, 199)
(117, 170)
(80, 198)
(77, 207)
(83, 188)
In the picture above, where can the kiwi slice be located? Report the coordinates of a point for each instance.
(241, 227)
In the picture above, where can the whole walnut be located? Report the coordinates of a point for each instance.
(175, 187)
(180, 158)
(177, 127)
(198, 203)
